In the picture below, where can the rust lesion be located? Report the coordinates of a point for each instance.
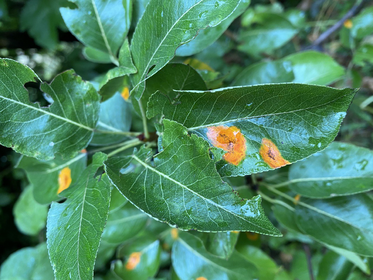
(271, 154)
(64, 179)
(231, 140)
(133, 261)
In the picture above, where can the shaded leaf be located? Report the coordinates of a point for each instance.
(96, 56)
(270, 125)
(341, 169)
(29, 216)
(165, 189)
(65, 127)
(99, 24)
(222, 244)
(363, 55)
(44, 175)
(115, 119)
(341, 222)
(27, 264)
(265, 73)
(74, 227)
(306, 67)
(272, 32)
(362, 24)
(208, 36)
(123, 223)
(334, 267)
(165, 26)
(190, 260)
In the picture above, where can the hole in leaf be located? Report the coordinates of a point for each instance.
(36, 95)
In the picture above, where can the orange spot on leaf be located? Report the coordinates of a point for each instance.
(252, 236)
(174, 233)
(125, 93)
(271, 155)
(133, 261)
(297, 198)
(235, 231)
(201, 278)
(348, 24)
(84, 151)
(64, 179)
(229, 139)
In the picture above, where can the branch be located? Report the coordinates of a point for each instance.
(306, 249)
(353, 11)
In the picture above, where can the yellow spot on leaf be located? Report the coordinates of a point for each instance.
(133, 261)
(297, 198)
(198, 65)
(348, 24)
(64, 179)
(235, 231)
(125, 93)
(201, 278)
(174, 233)
(252, 236)
(271, 155)
(229, 139)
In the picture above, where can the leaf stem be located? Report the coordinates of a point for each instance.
(124, 133)
(276, 201)
(144, 122)
(127, 145)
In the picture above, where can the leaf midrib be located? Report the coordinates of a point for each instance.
(47, 113)
(197, 194)
(264, 115)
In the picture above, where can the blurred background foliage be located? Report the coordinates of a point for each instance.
(325, 42)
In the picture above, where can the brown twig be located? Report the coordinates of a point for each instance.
(306, 249)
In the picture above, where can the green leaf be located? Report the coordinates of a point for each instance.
(123, 223)
(273, 31)
(115, 119)
(172, 76)
(363, 55)
(343, 222)
(27, 264)
(165, 26)
(44, 175)
(65, 127)
(74, 227)
(265, 73)
(117, 200)
(208, 36)
(266, 267)
(202, 201)
(142, 260)
(299, 119)
(341, 169)
(222, 244)
(191, 260)
(296, 17)
(96, 56)
(362, 24)
(41, 18)
(334, 267)
(285, 214)
(306, 67)
(30, 216)
(99, 24)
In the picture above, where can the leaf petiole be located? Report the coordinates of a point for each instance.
(126, 145)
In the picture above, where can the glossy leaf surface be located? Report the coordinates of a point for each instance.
(142, 260)
(115, 119)
(341, 222)
(291, 121)
(27, 264)
(208, 36)
(74, 227)
(165, 25)
(99, 24)
(165, 189)
(362, 24)
(334, 267)
(44, 175)
(341, 169)
(30, 216)
(272, 32)
(306, 67)
(65, 127)
(191, 261)
(265, 73)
